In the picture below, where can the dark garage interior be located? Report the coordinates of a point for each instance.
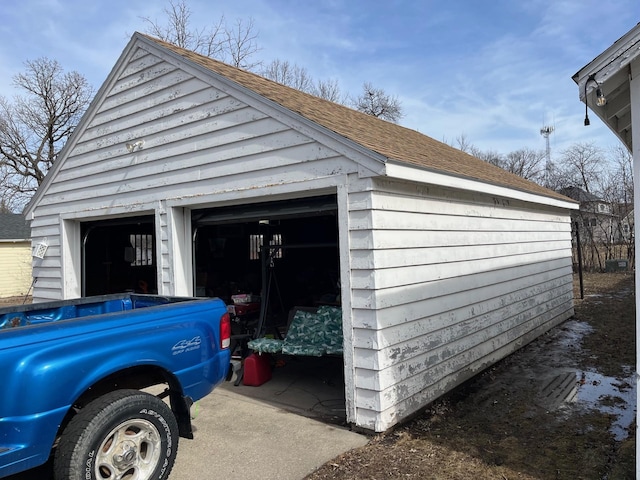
(119, 256)
(289, 246)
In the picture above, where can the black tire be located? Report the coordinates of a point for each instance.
(125, 430)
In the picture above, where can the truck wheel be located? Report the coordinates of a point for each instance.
(123, 434)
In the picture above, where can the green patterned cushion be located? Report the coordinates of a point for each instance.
(332, 328)
(266, 345)
(310, 334)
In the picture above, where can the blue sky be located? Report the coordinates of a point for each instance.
(493, 71)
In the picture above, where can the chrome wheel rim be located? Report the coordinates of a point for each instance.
(131, 451)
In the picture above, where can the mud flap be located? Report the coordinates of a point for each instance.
(181, 407)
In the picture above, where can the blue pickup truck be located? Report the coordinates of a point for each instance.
(76, 378)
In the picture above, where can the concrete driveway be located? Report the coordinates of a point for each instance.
(239, 437)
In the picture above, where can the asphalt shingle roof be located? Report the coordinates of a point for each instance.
(390, 140)
(13, 226)
(579, 194)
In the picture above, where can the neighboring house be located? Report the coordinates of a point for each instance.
(596, 219)
(183, 167)
(15, 255)
(627, 225)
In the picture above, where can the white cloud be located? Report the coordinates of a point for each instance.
(493, 71)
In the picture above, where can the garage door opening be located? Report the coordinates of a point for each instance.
(282, 254)
(119, 256)
(269, 261)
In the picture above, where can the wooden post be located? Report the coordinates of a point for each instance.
(579, 250)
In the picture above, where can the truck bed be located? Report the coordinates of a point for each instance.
(38, 313)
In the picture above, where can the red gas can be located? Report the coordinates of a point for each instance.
(257, 369)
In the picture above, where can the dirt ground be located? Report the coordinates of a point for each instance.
(563, 407)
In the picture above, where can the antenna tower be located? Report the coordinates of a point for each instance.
(546, 131)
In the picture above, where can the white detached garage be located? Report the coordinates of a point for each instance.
(441, 264)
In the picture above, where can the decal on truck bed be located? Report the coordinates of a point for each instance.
(184, 346)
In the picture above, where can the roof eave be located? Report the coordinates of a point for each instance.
(613, 59)
(611, 71)
(403, 171)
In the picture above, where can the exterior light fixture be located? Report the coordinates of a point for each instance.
(601, 100)
(39, 250)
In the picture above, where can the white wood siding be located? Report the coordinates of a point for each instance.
(200, 144)
(444, 284)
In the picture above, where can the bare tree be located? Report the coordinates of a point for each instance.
(178, 31)
(617, 189)
(241, 43)
(582, 166)
(36, 126)
(622, 161)
(490, 156)
(463, 144)
(526, 163)
(555, 178)
(329, 90)
(232, 44)
(291, 75)
(295, 76)
(603, 184)
(237, 44)
(376, 102)
(10, 187)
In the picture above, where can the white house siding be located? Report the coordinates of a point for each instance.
(200, 145)
(48, 271)
(15, 264)
(444, 284)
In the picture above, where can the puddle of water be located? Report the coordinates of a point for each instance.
(568, 387)
(608, 395)
(572, 333)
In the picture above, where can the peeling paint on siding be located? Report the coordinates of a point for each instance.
(467, 279)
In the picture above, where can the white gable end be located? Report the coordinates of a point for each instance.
(186, 138)
(158, 137)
